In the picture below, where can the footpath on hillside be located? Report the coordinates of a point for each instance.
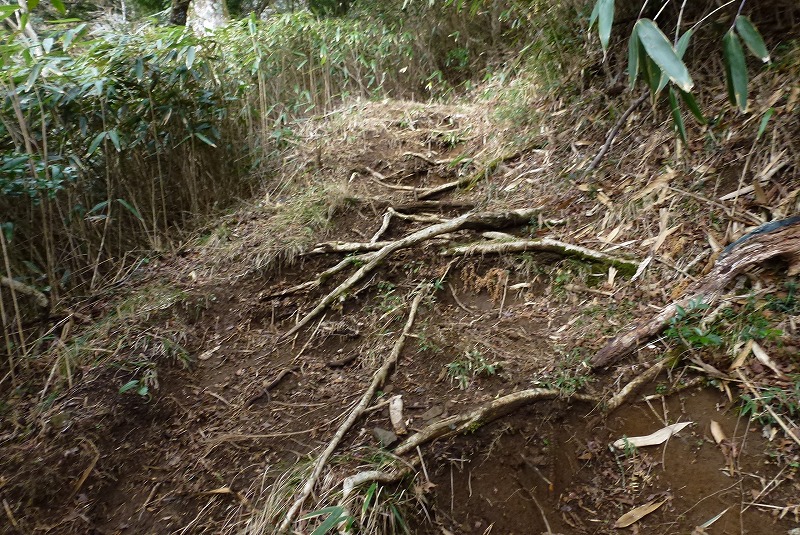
(428, 326)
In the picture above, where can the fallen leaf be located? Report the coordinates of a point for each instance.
(717, 432)
(765, 359)
(709, 522)
(742, 356)
(638, 513)
(205, 355)
(653, 439)
(221, 490)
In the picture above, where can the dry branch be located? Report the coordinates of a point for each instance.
(377, 380)
(467, 221)
(540, 244)
(775, 239)
(481, 415)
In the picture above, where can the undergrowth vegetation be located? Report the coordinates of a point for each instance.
(116, 142)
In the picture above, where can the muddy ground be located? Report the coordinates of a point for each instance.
(234, 414)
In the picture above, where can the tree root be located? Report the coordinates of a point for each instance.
(775, 239)
(470, 220)
(377, 380)
(541, 244)
(634, 385)
(481, 415)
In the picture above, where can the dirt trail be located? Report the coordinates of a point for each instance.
(236, 420)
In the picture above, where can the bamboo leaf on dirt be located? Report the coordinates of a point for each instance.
(638, 513)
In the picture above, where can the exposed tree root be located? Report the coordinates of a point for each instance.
(322, 277)
(629, 389)
(482, 415)
(377, 380)
(540, 244)
(471, 220)
(775, 239)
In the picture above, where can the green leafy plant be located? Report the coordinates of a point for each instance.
(684, 326)
(570, 374)
(334, 516)
(659, 62)
(470, 366)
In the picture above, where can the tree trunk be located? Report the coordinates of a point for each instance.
(178, 13)
(207, 15)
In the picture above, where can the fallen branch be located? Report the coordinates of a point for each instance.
(345, 247)
(467, 221)
(377, 380)
(775, 239)
(485, 172)
(23, 288)
(379, 179)
(482, 415)
(417, 206)
(540, 244)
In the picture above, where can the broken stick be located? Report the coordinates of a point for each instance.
(481, 415)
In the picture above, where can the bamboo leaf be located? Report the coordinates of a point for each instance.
(688, 98)
(95, 143)
(638, 513)
(677, 119)
(130, 385)
(335, 517)
(764, 120)
(113, 135)
(749, 34)
(204, 139)
(191, 51)
(652, 74)
(633, 57)
(131, 209)
(735, 70)
(97, 207)
(595, 13)
(680, 50)
(605, 19)
(7, 11)
(683, 43)
(661, 52)
(59, 5)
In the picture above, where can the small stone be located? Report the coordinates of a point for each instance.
(432, 413)
(384, 436)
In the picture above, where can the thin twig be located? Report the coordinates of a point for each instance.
(613, 133)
